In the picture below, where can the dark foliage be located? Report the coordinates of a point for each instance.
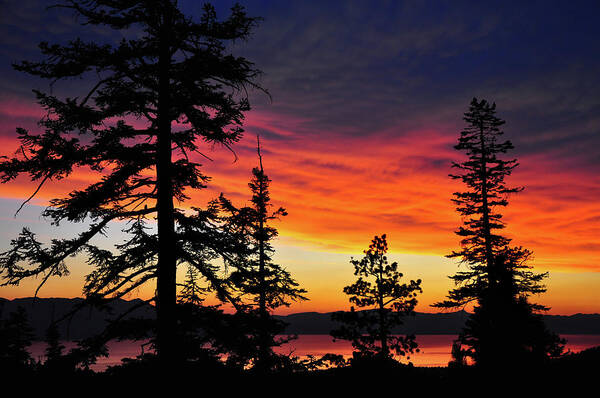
(483, 173)
(385, 302)
(54, 350)
(58, 362)
(55, 361)
(504, 331)
(157, 96)
(262, 285)
(15, 339)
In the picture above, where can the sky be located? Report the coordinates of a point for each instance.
(367, 103)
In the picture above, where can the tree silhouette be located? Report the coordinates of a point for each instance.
(15, 338)
(156, 97)
(483, 173)
(262, 284)
(387, 302)
(54, 349)
(498, 278)
(57, 361)
(192, 292)
(504, 331)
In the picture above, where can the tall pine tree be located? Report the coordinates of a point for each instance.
(484, 173)
(155, 98)
(498, 278)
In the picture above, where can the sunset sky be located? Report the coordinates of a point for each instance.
(367, 103)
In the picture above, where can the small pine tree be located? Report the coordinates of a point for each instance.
(15, 338)
(57, 362)
(262, 284)
(192, 292)
(54, 349)
(386, 302)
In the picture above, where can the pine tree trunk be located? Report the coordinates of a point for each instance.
(490, 350)
(489, 256)
(384, 337)
(264, 339)
(166, 291)
(382, 316)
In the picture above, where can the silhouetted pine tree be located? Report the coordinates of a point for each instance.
(192, 315)
(169, 71)
(192, 292)
(56, 360)
(483, 173)
(385, 302)
(54, 349)
(15, 338)
(206, 333)
(262, 284)
(498, 278)
(504, 330)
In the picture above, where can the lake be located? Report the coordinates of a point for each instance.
(435, 348)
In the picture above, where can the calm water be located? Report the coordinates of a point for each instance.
(435, 349)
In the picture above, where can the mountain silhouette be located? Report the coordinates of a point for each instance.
(89, 321)
(84, 323)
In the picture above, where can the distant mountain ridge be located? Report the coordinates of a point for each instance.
(420, 323)
(87, 322)
(84, 323)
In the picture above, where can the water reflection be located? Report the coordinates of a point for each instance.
(434, 349)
